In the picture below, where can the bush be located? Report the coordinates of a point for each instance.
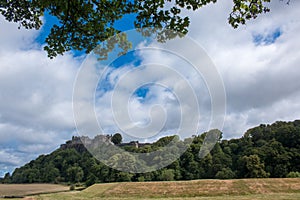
(141, 179)
(72, 187)
(225, 173)
(293, 175)
(92, 179)
(166, 175)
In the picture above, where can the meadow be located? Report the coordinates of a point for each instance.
(20, 190)
(240, 189)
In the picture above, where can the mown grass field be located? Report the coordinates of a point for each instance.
(243, 189)
(13, 190)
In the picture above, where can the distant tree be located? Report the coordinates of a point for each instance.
(166, 175)
(6, 178)
(146, 176)
(254, 168)
(225, 173)
(32, 175)
(123, 176)
(293, 175)
(123, 162)
(176, 167)
(91, 179)
(188, 165)
(74, 174)
(117, 138)
(49, 173)
(141, 179)
(161, 142)
(220, 159)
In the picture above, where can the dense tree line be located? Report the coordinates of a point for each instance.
(263, 151)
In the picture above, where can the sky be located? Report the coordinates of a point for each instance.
(258, 64)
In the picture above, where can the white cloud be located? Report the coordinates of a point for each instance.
(36, 97)
(259, 80)
(262, 82)
(168, 100)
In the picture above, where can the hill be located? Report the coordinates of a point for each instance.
(263, 151)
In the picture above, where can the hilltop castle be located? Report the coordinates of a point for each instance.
(79, 143)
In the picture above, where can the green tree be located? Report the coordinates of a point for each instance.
(225, 173)
(176, 167)
(254, 168)
(293, 175)
(166, 175)
(50, 174)
(75, 174)
(6, 178)
(189, 167)
(123, 162)
(117, 138)
(123, 177)
(91, 179)
(83, 24)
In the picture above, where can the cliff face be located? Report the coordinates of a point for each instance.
(79, 143)
(75, 143)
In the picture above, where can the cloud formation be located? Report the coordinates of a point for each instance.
(259, 67)
(35, 99)
(261, 80)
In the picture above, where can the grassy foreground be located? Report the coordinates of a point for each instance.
(16, 190)
(243, 189)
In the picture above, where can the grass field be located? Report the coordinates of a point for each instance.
(17, 190)
(243, 189)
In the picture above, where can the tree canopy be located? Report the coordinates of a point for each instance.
(116, 138)
(84, 24)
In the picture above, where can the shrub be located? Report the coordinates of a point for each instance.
(72, 187)
(141, 179)
(293, 175)
(166, 175)
(225, 173)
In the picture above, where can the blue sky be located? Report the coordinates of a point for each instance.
(49, 21)
(258, 63)
(267, 38)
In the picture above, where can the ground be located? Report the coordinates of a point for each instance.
(240, 189)
(19, 190)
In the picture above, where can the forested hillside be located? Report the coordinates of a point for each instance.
(263, 151)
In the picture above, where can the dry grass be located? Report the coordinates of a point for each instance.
(29, 189)
(243, 189)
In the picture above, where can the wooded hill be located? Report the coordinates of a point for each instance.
(263, 151)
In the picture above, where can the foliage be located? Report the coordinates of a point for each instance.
(116, 138)
(91, 179)
(293, 175)
(72, 187)
(263, 151)
(253, 167)
(74, 174)
(225, 173)
(6, 179)
(166, 175)
(84, 24)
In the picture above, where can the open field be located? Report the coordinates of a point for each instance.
(278, 196)
(243, 189)
(10, 190)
